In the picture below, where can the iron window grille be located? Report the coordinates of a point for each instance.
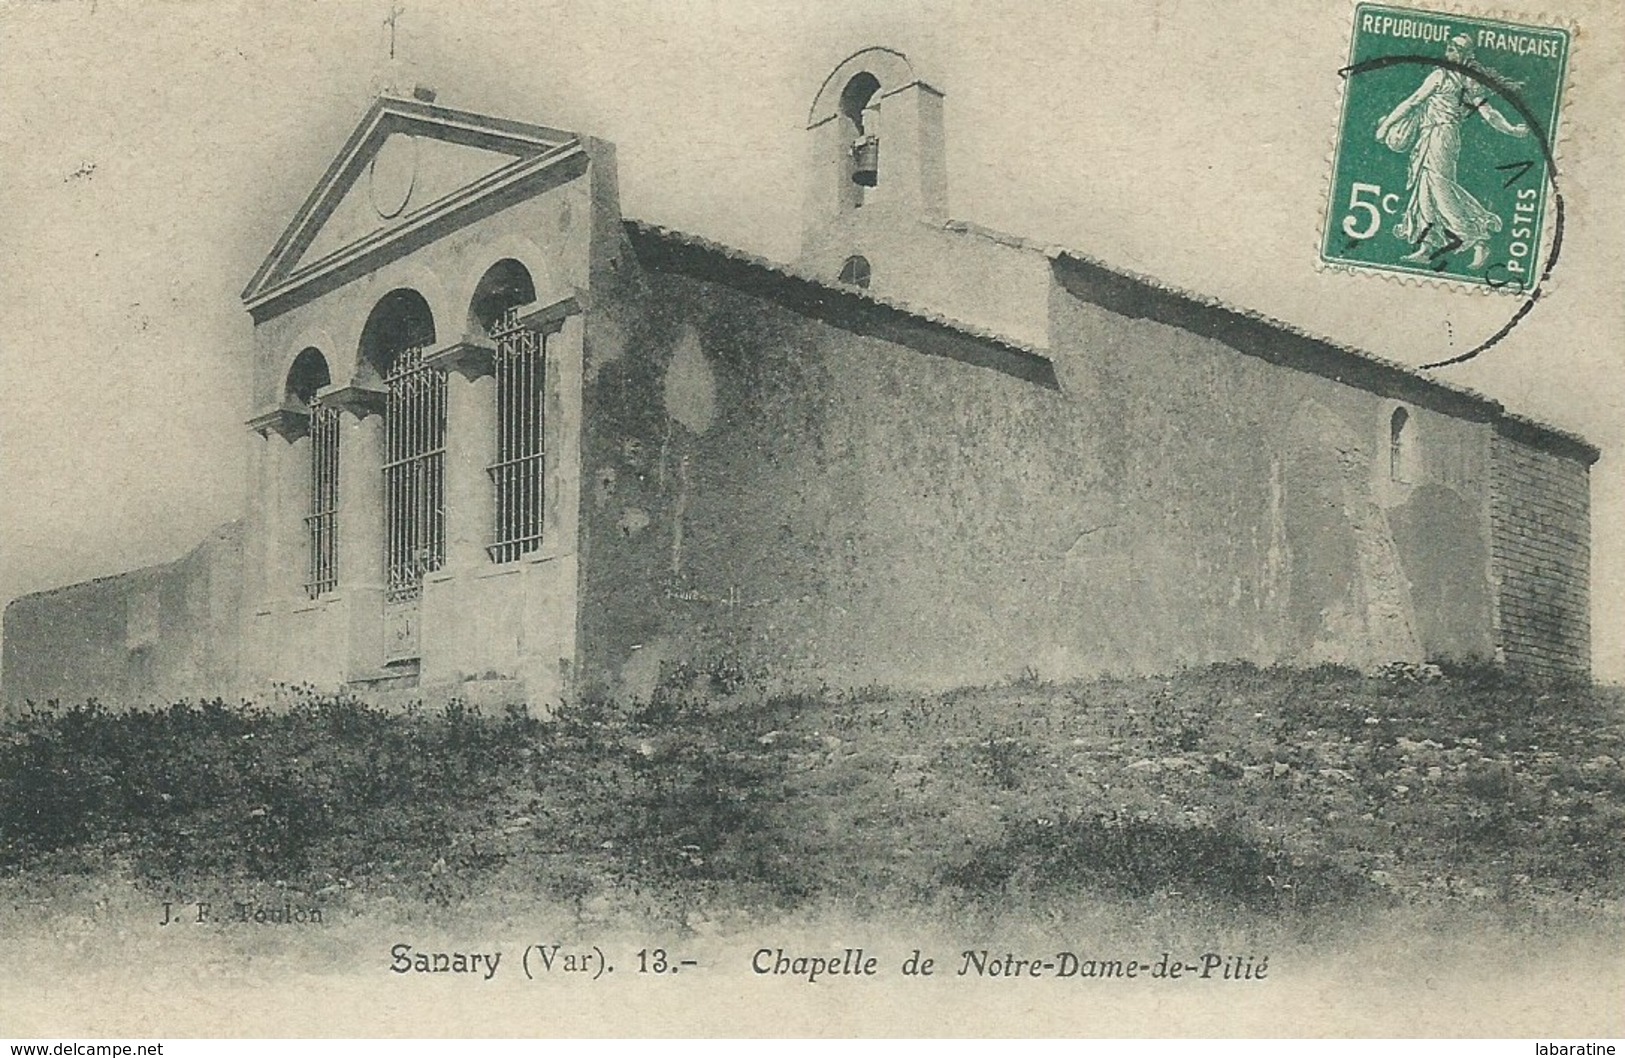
(321, 524)
(517, 475)
(414, 473)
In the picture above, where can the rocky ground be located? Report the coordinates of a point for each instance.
(1421, 852)
(1277, 791)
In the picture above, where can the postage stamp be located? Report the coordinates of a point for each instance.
(1444, 164)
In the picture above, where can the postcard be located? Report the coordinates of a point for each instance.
(765, 519)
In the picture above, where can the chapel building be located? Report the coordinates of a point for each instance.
(508, 445)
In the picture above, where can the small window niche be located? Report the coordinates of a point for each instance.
(856, 271)
(1404, 465)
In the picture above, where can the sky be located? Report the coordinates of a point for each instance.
(152, 152)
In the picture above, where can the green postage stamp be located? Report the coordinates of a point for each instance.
(1444, 164)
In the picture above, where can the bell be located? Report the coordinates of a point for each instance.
(866, 161)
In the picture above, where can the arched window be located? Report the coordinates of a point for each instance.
(306, 377)
(518, 471)
(856, 271)
(393, 342)
(1400, 446)
(860, 117)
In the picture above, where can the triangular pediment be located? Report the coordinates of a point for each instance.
(406, 164)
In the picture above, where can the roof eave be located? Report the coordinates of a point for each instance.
(846, 305)
(1142, 296)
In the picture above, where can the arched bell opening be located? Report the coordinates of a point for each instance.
(860, 122)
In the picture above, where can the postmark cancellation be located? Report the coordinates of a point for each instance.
(1444, 165)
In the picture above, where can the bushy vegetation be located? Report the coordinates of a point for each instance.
(1268, 789)
(332, 792)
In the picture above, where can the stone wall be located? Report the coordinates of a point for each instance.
(777, 476)
(150, 636)
(1542, 549)
(816, 500)
(1262, 514)
(807, 484)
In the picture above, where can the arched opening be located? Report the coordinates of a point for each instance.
(856, 271)
(398, 332)
(860, 121)
(505, 286)
(872, 107)
(517, 470)
(1400, 446)
(308, 374)
(306, 377)
(400, 321)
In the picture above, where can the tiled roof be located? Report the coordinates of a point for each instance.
(845, 290)
(1493, 407)
(1357, 362)
(1337, 360)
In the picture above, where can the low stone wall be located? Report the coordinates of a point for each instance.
(148, 636)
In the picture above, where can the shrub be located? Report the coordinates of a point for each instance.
(1265, 788)
(1135, 857)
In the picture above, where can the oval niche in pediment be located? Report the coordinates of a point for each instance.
(392, 174)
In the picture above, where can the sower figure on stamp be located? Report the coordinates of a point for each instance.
(1441, 215)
